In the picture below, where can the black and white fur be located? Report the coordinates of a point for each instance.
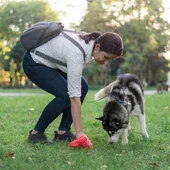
(126, 98)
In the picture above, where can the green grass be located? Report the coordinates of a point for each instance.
(19, 114)
(22, 90)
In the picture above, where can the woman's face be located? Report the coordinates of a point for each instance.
(102, 57)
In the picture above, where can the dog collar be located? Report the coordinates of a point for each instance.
(123, 102)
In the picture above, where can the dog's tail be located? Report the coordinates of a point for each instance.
(104, 92)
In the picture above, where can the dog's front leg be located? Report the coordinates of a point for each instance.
(125, 136)
(142, 122)
(129, 126)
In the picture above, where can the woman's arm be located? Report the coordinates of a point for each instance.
(75, 65)
(76, 115)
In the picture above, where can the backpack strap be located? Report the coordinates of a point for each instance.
(47, 57)
(74, 42)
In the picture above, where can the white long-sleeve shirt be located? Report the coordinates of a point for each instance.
(65, 51)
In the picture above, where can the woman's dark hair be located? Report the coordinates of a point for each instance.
(109, 42)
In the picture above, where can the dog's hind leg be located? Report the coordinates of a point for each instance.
(125, 137)
(142, 122)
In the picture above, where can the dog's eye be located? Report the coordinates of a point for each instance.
(112, 123)
(117, 123)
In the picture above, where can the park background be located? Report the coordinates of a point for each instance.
(145, 28)
(143, 24)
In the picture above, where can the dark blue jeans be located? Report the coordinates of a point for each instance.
(54, 81)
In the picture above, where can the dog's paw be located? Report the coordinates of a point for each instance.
(145, 136)
(124, 142)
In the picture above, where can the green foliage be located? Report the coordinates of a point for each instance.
(15, 17)
(145, 33)
(19, 114)
(18, 16)
(140, 24)
(95, 18)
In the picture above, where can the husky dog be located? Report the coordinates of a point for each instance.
(126, 98)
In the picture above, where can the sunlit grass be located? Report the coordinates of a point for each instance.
(21, 90)
(19, 114)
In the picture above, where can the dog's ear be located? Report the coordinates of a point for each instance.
(100, 118)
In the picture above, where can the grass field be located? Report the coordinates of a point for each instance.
(19, 114)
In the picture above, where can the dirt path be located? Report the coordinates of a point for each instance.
(22, 94)
(148, 92)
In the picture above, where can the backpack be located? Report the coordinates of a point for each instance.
(41, 32)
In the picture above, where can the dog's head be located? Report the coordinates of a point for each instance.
(115, 118)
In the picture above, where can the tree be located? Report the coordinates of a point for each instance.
(145, 35)
(140, 24)
(15, 17)
(18, 16)
(96, 19)
(158, 65)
